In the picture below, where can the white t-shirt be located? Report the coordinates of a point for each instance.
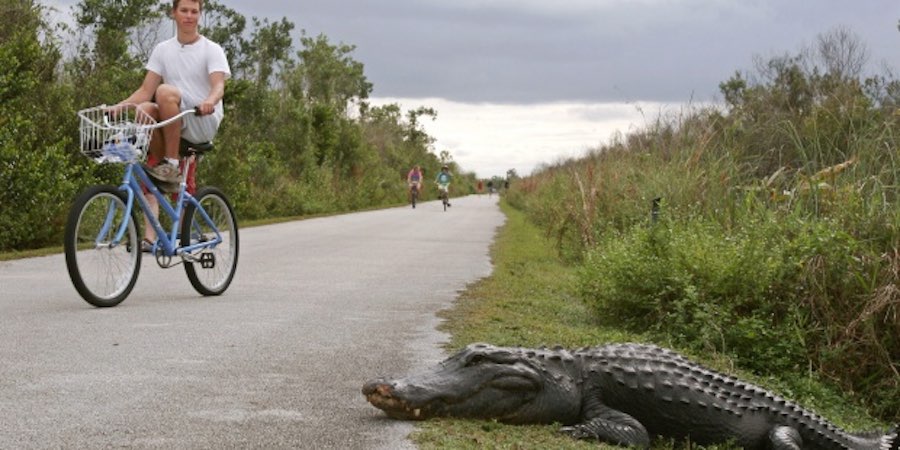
(188, 67)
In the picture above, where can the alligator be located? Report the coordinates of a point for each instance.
(623, 394)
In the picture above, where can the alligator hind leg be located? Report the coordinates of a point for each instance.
(609, 425)
(785, 438)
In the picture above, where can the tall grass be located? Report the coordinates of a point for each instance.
(777, 238)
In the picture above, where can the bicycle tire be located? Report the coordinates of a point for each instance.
(213, 275)
(444, 200)
(103, 274)
(415, 195)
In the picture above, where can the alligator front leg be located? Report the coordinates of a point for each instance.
(785, 438)
(612, 426)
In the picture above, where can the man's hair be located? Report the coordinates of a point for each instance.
(176, 2)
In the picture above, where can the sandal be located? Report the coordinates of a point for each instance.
(146, 246)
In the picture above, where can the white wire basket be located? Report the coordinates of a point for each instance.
(117, 134)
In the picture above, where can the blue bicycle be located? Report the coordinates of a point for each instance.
(102, 245)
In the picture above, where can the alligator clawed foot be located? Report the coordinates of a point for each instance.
(576, 432)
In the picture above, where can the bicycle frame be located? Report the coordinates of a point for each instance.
(132, 182)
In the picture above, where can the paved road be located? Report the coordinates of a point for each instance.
(317, 307)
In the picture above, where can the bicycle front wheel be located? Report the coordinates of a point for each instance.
(103, 268)
(211, 270)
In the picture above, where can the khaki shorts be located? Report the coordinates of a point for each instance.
(200, 129)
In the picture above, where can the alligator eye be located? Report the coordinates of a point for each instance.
(513, 383)
(476, 360)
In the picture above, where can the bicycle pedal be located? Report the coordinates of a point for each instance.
(207, 260)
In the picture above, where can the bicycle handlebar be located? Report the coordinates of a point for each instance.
(186, 112)
(153, 126)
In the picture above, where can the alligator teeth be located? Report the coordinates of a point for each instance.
(417, 412)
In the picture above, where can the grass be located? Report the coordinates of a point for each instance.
(530, 300)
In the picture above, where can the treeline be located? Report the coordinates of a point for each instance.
(767, 229)
(300, 136)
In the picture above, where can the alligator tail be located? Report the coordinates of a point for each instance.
(891, 440)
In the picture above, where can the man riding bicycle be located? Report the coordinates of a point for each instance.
(443, 181)
(186, 71)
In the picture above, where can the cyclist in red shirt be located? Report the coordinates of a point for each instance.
(414, 178)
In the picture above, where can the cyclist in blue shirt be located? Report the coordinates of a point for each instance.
(443, 181)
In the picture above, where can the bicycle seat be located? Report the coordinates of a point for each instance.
(188, 148)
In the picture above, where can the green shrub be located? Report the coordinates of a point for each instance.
(777, 295)
(703, 288)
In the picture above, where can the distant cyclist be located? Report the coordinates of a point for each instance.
(414, 179)
(443, 181)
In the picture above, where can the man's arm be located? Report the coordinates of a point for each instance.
(216, 92)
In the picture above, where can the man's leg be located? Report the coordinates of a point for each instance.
(149, 231)
(168, 100)
(156, 153)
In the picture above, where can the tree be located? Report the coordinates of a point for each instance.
(36, 176)
(270, 46)
(842, 53)
(733, 89)
(445, 157)
(109, 65)
(112, 21)
(327, 74)
(414, 131)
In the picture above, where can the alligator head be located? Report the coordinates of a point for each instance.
(482, 381)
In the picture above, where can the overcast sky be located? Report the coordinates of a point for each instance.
(518, 83)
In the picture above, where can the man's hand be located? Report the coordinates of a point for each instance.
(217, 81)
(205, 108)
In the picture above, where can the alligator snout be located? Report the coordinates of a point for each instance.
(379, 392)
(377, 387)
(382, 395)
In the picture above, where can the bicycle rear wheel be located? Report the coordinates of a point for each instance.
(213, 268)
(415, 195)
(103, 271)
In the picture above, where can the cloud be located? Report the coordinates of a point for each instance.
(490, 138)
(534, 51)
